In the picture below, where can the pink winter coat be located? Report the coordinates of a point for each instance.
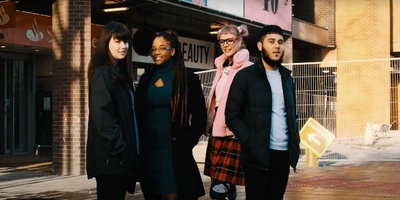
(240, 61)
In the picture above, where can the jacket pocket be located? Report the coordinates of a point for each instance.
(257, 139)
(257, 147)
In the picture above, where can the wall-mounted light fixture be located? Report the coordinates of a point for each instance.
(214, 27)
(325, 71)
(117, 9)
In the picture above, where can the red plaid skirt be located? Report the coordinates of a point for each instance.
(223, 160)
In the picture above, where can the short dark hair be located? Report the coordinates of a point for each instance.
(268, 29)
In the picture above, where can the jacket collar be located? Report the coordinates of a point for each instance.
(282, 70)
(238, 59)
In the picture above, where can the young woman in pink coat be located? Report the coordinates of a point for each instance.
(223, 152)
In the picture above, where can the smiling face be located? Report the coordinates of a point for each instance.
(229, 48)
(161, 51)
(117, 49)
(272, 50)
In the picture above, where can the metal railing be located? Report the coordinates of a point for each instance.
(317, 83)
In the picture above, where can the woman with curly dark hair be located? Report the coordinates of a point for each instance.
(172, 116)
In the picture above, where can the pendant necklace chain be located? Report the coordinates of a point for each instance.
(227, 67)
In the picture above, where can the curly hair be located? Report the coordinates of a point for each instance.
(180, 85)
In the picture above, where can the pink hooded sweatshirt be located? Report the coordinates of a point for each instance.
(240, 61)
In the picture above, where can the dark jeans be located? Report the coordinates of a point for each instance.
(114, 187)
(269, 184)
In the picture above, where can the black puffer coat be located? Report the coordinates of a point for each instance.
(248, 114)
(111, 144)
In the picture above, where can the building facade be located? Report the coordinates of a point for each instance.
(45, 91)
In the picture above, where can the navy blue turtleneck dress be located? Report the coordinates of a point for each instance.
(157, 147)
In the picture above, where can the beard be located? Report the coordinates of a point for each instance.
(268, 60)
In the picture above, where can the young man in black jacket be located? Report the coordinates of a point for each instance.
(261, 112)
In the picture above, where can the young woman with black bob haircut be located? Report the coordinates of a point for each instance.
(112, 144)
(172, 116)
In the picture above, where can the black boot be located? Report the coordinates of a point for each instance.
(232, 193)
(219, 190)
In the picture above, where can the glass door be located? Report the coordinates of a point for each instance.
(3, 108)
(16, 80)
(9, 107)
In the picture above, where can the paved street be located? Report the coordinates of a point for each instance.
(349, 170)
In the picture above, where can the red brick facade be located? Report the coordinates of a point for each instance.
(71, 22)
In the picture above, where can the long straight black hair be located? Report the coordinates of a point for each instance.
(102, 56)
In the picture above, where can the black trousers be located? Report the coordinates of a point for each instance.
(114, 187)
(268, 184)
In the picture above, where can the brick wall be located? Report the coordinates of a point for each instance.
(363, 29)
(71, 50)
(288, 57)
(320, 13)
(362, 32)
(363, 96)
(325, 17)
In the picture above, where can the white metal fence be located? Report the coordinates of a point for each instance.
(315, 92)
(206, 80)
(316, 88)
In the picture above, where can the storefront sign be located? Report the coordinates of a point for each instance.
(277, 12)
(34, 30)
(31, 30)
(95, 35)
(198, 2)
(197, 54)
(7, 14)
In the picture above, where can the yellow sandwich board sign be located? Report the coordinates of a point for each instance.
(315, 137)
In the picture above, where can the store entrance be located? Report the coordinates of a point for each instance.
(15, 105)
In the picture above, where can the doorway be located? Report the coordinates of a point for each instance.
(16, 79)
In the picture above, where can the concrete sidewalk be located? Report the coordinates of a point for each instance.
(348, 168)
